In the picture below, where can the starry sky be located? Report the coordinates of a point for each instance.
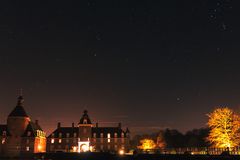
(148, 64)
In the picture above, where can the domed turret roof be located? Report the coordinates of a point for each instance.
(85, 118)
(19, 111)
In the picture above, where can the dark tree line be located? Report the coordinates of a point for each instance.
(175, 139)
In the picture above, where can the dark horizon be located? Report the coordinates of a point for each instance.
(149, 65)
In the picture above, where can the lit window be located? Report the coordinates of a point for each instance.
(109, 140)
(28, 133)
(101, 135)
(74, 149)
(27, 148)
(60, 141)
(108, 135)
(53, 135)
(52, 140)
(84, 121)
(3, 140)
(122, 135)
(115, 135)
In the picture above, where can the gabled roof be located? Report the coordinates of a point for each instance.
(106, 130)
(64, 131)
(85, 118)
(32, 128)
(19, 111)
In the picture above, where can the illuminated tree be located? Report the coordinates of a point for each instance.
(147, 144)
(224, 127)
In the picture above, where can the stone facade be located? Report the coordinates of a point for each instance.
(91, 137)
(20, 135)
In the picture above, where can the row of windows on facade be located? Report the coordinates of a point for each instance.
(39, 133)
(94, 140)
(94, 135)
(101, 147)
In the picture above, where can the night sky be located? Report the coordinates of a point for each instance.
(146, 63)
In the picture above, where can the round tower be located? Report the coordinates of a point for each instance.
(18, 119)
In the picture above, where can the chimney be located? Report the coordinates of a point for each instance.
(59, 125)
(96, 125)
(72, 125)
(119, 125)
(36, 122)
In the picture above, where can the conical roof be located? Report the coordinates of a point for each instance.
(85, 118)
(19, 111)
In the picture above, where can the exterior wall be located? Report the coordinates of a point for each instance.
(40, 145)
(66, 144)
(85, 132)
(27, 145)
(17, 125)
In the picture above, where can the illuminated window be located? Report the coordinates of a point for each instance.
(108, 135)
(122, 135)
(52, 140)
(84, 121)
(27, 148)
(109, 140)
(68, 135)
(3, 140)
(60, 141)
(94, 135)
(60, 135)
(115, 135)
(28, 133)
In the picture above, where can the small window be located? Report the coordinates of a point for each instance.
(122, 135)
(28, 133)
(27, 148)
(109, 140)
(60, 135)
(52, 140)
(60, 141)
(3, 141)
(108, 135)
(27, 141)
(94, 135)
(84, 121)
(75, 134)
(101, 135)
(68, 135)
(4, 133)
(53, 135)
(67, 140)
(115, 135)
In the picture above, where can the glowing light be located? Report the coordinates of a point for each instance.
(121, 152)
(224, 127)
(74, 149)
(60, 141)
(52, 140)
(39, 147)
(84, 148)
(147, 144)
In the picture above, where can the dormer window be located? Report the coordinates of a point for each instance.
(60, 135)
(84, 121)
(53, 135)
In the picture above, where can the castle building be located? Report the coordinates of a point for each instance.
(88, 137)
(20, 135)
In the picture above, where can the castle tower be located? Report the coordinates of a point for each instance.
(17, 123)
(85, 127)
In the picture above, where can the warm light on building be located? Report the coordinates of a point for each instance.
(52, 140)
(60, 141)
(121, 152)
(74, 149)
(147, 144)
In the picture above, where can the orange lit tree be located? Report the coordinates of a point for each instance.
(224, 127)
(147, 144)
